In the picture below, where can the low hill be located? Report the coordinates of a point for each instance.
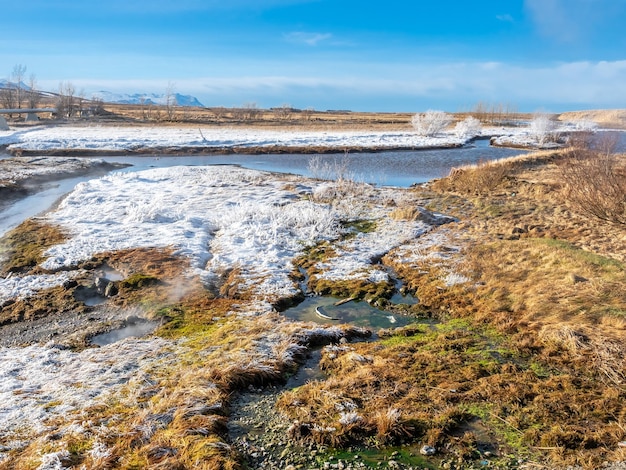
(607, 118)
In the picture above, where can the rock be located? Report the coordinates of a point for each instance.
(290, 467)
(70, 284)
(517, 230)
(101, 283)
(428, 450)
(575, 278)
(111, 290)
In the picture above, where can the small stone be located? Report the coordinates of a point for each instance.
(428, 450)
(290, 467)
(575, 278)
(621, 444)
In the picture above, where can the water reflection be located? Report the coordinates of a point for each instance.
(397, 168)
(324, 311)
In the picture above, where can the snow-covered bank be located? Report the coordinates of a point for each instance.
(137, 139)
(17, 170)
(218, 217)
(149, 139)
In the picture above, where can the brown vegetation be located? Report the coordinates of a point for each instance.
(526, 352)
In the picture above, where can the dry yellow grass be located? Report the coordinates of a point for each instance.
(530, 346)
(609, 118)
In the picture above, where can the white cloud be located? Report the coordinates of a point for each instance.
(556, 86)
(506, 18)
(311, 39)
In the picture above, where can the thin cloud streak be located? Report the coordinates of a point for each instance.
(564, 85)
(310, 39)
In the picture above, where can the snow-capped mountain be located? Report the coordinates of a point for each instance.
(146, 98)
(7, 84)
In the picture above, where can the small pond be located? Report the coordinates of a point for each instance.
(324, 310)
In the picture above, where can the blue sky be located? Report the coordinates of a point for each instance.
(409, 55)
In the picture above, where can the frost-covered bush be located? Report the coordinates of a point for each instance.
(430, 123)
(542, 128)
(467, 128)
(586, 125)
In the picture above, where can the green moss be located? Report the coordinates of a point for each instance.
(23, 247)
(138, 280)
(359, 225)
(580, 255)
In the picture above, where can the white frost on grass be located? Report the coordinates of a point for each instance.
(17, 287)
(356, 255)
(128, 138)
(39, 383)
(16, 169)
(218, 217)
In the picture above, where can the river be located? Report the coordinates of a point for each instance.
(396, 168)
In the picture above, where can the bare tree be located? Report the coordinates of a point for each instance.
(283, 112)
(250, 111)
(219, 112)
(7, 97)
(307, 114)
(170, 101)
(66, 101)
(17, 77)
(32, 95)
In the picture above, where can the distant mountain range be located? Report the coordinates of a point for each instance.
(146, 98)
(125, 98)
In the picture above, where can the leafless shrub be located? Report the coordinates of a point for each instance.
(595, 182)
(542, 127)
(283, 112)
(338, 169)
(219, 112)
